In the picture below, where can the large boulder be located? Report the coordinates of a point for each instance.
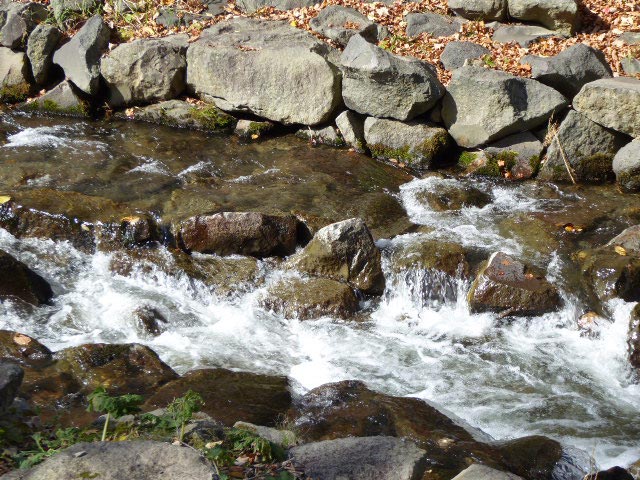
(14, 76)
(560, 15)
(365, 458)
(250, 6)
(241, 233)
(587, 147)
(17, 20)
(482, 472)
(343, 251)
(351, 126)
(508, 104)
(633, 338)
(416, 144)
(378, 83)
(507, 286)
(24, 350)
(80, 57)
(292, 80)
(433, 24)
(479, 9)
(144, 71)
(626, 166)
(613, 103)
(11, 376)
(19, 281)
(119, 460)
(40, 47)
(182, 114)
(455, 54)
(571, 69)
(231, 396)
(340, 23)
(63, 99)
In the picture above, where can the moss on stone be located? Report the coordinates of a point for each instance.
(596, 168)
(466, 159)
(211, 118)
(498, 164)
(431, 147)
(259, 128)
(382, 151)
(534, 163)
(15, 93)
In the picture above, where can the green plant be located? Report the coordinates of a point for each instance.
(181, 410)
(48, 445)
(246, 441)
(100, 401)
(489, 61)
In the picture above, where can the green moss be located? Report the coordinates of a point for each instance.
(433, 146)
(211, 118)
(15, 93)
(596, 168)
(382, 151)
(534, 163)
(497, 165)
(50, 106)
(466, 159)
(259, 128)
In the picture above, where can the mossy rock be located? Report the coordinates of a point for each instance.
(181, 114)
(24, 349)
(430, 254)
(449, 196)
(15, 93)
(531, 232)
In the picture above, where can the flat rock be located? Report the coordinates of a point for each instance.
(432, 23)
(479, 9)
(508, 105)
(14, 76)
(626, 166)
(80, 57)
(588, 147)
(11, 376)
(523, 35)
(181, 114)
(364, 458)
(381, 84)
(292, 80)
(418, 145)
(571, 69)
(63, 99)
(482, 472)
(506, 285)
(455, 54)
(340, 23)
(559, 15)
(40, 47)
(351, 126)
(453, 195)
(613, 103)
(250, 6)
(17, 20)
(17, 280)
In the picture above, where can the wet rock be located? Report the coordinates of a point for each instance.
(350, 409)
(130, 232)
(418, 145)
(384, 458)
(14, 76)
(11, 376)
(588, 147)
(613, 103)
(479, 9)
(149, 320)
(80, 57)
(241, 233)
(455, 54)
(40, 47)
(24, 350)
(508, 105)
(560, 15)
(231, 396)
(626, 166)
(507, 286)
(144, 71)
(530, 232)
(378, 83)
(453, 196)
(284, 438)
(62, 8)
(17, 20)
(434, 255)
(571, 69)
(614, 473)
(117, 460)
(482, 472)
(432, 23)
(253, 129)
(516, 157)
(351, 126)
(523, 35)
(64, 99)
(181, 114)
(311, 298)
(343, 251)
(290, 68)
(382, 212)
(17, 280)
(321, 136)
(250, 6)
(340, 23)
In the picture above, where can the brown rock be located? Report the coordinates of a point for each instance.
(19, 281)
(23, 349)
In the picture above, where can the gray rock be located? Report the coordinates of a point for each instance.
(482, 472)
(631, 66)
(284, 438)
(523, 35)
(292, 79)
(416, 144)
(361, 458)
(250, 6)
(62, 8)
(378, 83)
(559, 15)
(340, 23)
(588, 147)
(626, 166)
(351, 126)
(17, 20)
(40, 46)
(630, 38)
(14, 76)
(80, 58)
(613, 103)
(343, 251)
(178, 113)
(479, 9)
(571, 69)
(432, 23)
(508, 105)
(520, 152)
(455, 54)
(252, 129)
(63, 99)
(144, 71)
(11, 376)
(118, 460)
(328, 135)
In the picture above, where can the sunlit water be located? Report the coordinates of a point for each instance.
(509, 378)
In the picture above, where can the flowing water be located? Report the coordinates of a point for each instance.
(511, 378)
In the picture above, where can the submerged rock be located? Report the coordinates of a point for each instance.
(340, 23)
(10, 379)
(231, 396)
(453, 196)
(613, 473)
(530, 232)
(17, 280)
(560, 15)
(14, 76)
(434, 255)
(149, 320)
(178, 113)
(626, 166)
(507, 286)
(482, 472)
(343, 251)
(40, 47)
